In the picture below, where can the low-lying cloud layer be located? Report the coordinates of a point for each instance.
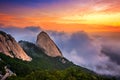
(98, 54)
(95, 53)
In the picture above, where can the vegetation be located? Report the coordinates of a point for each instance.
(72, 73)
(43, 67)
(40, 61)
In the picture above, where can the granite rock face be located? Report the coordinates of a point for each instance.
(48, 45)
(10, 47)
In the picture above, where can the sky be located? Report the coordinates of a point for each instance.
(62, 15)
(86, 31)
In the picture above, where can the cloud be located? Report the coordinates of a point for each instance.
(28, 33)
(112, 49)
(85, 50)
(98, 53)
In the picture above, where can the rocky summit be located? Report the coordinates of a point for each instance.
(48, 45)
(10, 47)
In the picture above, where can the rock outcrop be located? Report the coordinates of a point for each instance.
(10, 47)
(48, 45)
(7, 74)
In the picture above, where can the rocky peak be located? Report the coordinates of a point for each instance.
(48, 45)
(10, 47)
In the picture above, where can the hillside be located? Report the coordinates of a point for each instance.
(44, 67)
(42, 59)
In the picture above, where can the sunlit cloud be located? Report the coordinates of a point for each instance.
(62, 14)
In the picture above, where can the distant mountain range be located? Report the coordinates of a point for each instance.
(40, 61)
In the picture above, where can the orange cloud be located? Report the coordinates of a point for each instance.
(55, 23)
(10, 20)
(92, 16)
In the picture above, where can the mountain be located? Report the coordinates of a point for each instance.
(48, 45)
(42, 59)
(42, 66)
(10, 47)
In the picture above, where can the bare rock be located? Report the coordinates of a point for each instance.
(48, 45)
(10, 47)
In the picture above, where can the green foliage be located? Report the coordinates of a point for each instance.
(40, 59)
(43, 67)
(71, 73)
(2, 71)
(18, 66)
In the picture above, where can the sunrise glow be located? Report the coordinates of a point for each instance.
(67, 16)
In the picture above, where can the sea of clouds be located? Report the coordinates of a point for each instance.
(98, 53)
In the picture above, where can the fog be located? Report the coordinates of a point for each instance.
(99, 53)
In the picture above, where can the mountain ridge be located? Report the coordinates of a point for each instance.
(44, 66)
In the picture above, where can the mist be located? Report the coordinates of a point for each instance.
(99, 53)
